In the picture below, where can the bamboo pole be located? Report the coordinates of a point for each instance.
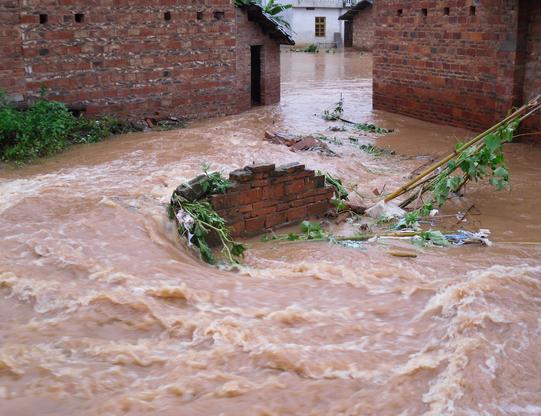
(529, 108)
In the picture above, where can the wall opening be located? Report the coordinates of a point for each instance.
(219, 15)
(79, 17)
(199, 15)
(399, 12)
(255, 70)
(320, 23)
(424, 12)
(348, 34)
(43, 18)
(473, 10)
(167, 16)
(446, 11)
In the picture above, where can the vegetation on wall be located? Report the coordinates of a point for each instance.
(200, 224)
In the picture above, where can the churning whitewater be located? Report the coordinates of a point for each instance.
(105, 311)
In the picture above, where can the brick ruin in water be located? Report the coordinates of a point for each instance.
(141, 58)
(264, 197)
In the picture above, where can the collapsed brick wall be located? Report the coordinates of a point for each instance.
(133, 58)
(250, 34)
(452, 62)
(265, 197)
(363, 30)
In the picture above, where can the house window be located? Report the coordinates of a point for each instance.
(320, 27)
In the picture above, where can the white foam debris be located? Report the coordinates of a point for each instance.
(385, 209)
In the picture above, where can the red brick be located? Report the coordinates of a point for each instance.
(243, 209)
(295, 214)
(260, 183)
(318, 208)
(277, 190)
(275, 219)
(251, 196)
(264, 211)
(265, 203)
(255, 225)
(262, 167)
(237, 228)
(283, 207)
(294, 186)
(231, 200)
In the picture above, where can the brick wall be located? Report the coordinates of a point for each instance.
(458, 68)
(11, 63)
(264, 197)
(249, 34)
(532, 76)
(363, 30)
(132, 57)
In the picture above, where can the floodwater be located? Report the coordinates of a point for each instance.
(105, 312)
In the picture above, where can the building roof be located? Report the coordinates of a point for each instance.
(363, 4)
(270, 27)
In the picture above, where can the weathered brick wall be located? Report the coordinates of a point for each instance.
(363, 30)
(11, 63)
(249, 34)
(457, 67)
(134, 58)
(265, 197)
(532, 76)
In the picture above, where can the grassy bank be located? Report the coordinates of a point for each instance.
(48, 127)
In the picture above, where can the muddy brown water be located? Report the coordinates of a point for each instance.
(105, 312)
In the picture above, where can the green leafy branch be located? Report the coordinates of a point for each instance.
(335, 112)
(485, 159)
(199, 222)
(372, 128)
(309, 231)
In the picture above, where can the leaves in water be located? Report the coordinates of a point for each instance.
(431, 237)
(339, 190)
(410, 221)
(339, 205)
(334, 113)
(372, 128)
(312, 230)
(293, 237)
(374, 150)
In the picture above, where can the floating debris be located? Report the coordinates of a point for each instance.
(467, 237)
(300, 143)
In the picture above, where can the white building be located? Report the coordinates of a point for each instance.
(316, 21)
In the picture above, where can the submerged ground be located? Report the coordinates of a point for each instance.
(105, 312)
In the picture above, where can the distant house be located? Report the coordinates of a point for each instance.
(359, 26)
(465, 63)
(316, 21)
(143, 58)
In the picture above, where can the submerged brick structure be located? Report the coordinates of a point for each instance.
(360, 21)
(264, 197)
(459, 62)
(139, 58)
